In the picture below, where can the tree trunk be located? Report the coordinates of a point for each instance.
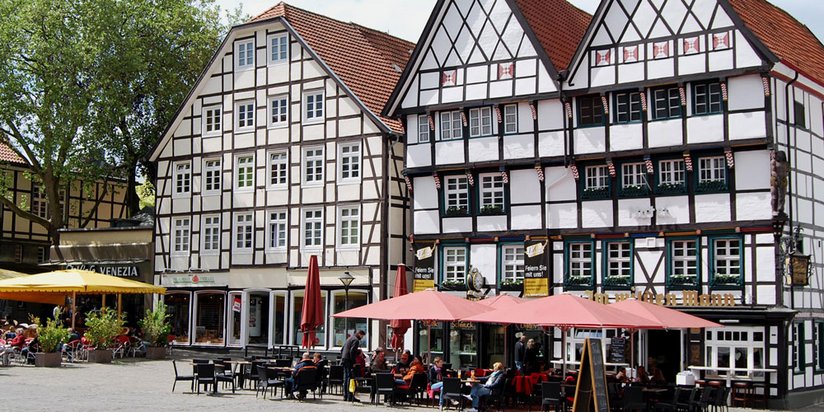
(132, 200)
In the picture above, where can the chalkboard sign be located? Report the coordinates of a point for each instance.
(617, 349)
(591, 392)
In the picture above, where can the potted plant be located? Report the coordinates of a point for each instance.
(156, 328)
(491, 210)
(453, 284)
(454, 211)
(103, 327)
(51, 337)
(512, 284)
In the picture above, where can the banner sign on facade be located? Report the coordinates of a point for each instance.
(122, 271)
(536, 271)
(424, 275)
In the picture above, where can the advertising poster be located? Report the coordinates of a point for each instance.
(536, 270)
(424, 275)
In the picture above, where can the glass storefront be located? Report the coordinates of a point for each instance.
(235, 330)
(297, 304)
(495, 343)
(279, 315)
(258, 318)
(433, 343)
(463, 345)
(178, 305)
(209, 315)
(344, 326)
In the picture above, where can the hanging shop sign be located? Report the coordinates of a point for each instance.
(536, 271)
(424, 274)
(119, 270)
(686, 298)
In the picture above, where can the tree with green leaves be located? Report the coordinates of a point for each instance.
(88, 86)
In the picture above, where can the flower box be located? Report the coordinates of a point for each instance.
(671, 189)
(456, 212)
(622, 281)
(712, 186)
(511, 284)
(48, 360)
(491, 211)
(634, 191)
(453, 285)
(726, 281)
(595, 193)
(578, 282)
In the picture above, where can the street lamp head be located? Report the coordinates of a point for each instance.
(346, 279)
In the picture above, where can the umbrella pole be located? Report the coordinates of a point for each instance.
(632, 348)
(74, 306)
(429, 342)
(119, 305)
(563, 351)
(103, 305)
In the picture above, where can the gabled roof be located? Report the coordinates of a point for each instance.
(7, 155)
(790, 40)
(558, 25)
(367, 61)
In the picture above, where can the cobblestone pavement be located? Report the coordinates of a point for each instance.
(141, 385)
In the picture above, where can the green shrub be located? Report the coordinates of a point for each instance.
(155, 325)
(103, 327)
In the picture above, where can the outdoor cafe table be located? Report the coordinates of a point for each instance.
(730, 376)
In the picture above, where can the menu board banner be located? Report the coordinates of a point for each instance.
(424, 274)
(536, 270)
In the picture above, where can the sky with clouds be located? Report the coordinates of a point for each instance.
(406, 18)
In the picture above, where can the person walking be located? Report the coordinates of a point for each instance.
(520, 353)
(348, 355)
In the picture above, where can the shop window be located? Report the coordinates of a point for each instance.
(480, 122)
(344, 327)
(672, 178)
(666, 103)
(634, 180)
(580, 261)
(491, 194)
(618, 264)
(431, 338)
(596, 183)
(451, 125)
(320, 332)
(456, 196)
(735, 347)
(279, 320)
(463, 344)
(726, 263)
(712, 174)
(210, 315)
(455, 261)
(628, 107)
(590, 110)
(683, 263)
(177, 306)
(511, 119)
(706, 98)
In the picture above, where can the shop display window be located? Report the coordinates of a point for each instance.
(356, 299)
(177, 305)
(210, 312)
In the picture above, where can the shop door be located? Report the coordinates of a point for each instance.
(257, 318)
(235, 321)
(664, 352)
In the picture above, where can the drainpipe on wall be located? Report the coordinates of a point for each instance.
(789, 175)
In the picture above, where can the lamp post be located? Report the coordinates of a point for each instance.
(346, 279)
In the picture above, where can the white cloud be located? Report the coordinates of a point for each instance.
(407, 18)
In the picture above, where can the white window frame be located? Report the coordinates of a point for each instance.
(242, 59)
(244, 173)
(510, 119)
(212, 118)
(181, 236)
(242, 109)
(275, 44)
(211, 235)
(454, 263)
(491, 190)
(182, 179)
(313, 217)
(424, 133)
(40, 202)
(727, 260)
(349, 228)
(277, 169)
(712, 169)
(634, 175)
(578, 264)
(278, 112)
(742, 338)
(681, 262)
(349, 162)
(243, 240)
(451, 125)
(212, 176)
(672, 172)
(313, 157)
(311, 112)
(599, 180)
(480, 121)
(456, 192)
(618, 258)
(512, 262)
(277, 228)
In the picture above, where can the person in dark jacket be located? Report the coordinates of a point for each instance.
(348, 355)
(494, 381)
(305, 362)
(520, 353)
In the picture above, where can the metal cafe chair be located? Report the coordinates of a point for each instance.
(179, 377)
(451, 390)
(205, 376)
(384, 385)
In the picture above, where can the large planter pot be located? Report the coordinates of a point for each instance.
(100, 356)
(156, 352)
(47, 360)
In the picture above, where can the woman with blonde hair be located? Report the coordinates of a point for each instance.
(494, 381)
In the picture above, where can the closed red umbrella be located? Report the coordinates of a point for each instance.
(399, 326)
(312, 312)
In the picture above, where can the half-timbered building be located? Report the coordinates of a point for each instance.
(280, 152)
(664, 150)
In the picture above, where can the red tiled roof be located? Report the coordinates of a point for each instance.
(10, 156)
(559, 27)
(791, 41)
(368, 61)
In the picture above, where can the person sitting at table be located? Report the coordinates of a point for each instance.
(305, 362)
(403, 363)
(641, 376)
(9, 334)
(416, 366)
(359, 368)
(19, 340)
(436, 379)
(621, 376)
(493, 381)
(656, 376)
(378, 363)
(320, 363)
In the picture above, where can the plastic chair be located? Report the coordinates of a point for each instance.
(223, 374)
(265, 382)
(205, 376)
(451, 390)
(551, 396)
(384, 385)
(335, 378)
(179, 377)
(305, 381)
